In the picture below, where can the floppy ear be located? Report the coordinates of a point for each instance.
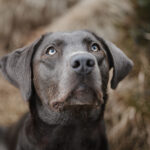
(120, 62)
(16, 68)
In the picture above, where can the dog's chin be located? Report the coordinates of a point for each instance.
(82, 98)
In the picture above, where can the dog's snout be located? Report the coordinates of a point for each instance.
(82, 63)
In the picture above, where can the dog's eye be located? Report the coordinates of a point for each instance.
(51, 51)
(95, 47)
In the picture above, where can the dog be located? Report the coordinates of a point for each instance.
(63, 76)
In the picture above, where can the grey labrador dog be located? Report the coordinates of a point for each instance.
(64, 78)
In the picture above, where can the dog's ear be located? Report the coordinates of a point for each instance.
(121, 64)
(16, 68)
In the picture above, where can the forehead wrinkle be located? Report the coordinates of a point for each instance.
(75, 47)
(76, 42)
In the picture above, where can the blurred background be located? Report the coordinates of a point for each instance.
(124, 22)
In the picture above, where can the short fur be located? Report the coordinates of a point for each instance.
(66, 102)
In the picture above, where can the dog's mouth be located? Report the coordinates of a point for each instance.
(82, 96)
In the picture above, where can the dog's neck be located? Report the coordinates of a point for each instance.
(44, 123)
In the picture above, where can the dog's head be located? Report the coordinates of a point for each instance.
(67, 70)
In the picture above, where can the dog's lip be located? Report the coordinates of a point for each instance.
(77, 98)
(83, 95)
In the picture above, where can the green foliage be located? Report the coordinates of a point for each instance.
(141, 25)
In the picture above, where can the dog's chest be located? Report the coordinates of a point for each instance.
(71, 138)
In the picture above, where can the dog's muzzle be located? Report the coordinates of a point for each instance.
(82, 64)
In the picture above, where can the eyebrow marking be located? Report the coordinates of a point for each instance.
(59, 42)
(87, 40)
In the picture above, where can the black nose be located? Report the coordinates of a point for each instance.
(82, 63)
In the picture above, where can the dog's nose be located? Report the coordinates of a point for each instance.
(82, 63)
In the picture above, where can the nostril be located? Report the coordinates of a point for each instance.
(90, 63)
(76, 64)
(82, 64)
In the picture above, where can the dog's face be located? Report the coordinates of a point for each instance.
(67, 70)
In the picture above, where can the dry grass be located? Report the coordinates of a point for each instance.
(11, 104)
(128, 109)
(18, 18)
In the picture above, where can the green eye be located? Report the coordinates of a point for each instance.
(95, 47)
(51, 51)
